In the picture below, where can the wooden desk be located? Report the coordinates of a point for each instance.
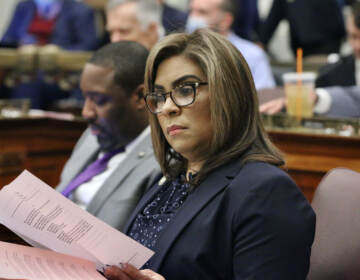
(310, 156)
(40, 145)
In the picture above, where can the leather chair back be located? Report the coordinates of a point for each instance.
(336, 249)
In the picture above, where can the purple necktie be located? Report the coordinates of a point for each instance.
(92, 170)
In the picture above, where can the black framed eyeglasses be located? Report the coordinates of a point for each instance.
(182, 95)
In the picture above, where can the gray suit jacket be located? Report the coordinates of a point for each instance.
(345, 101)
(119, 194)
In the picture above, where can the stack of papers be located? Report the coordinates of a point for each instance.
(48, 220)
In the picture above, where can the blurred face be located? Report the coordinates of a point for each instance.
(353, 36)
(210, 12)
(122, 24)
(107, 109)
(188, 130)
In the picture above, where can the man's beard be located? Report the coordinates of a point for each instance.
(108, 136)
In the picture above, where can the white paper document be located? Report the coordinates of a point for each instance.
(41, 215)
(21, 262)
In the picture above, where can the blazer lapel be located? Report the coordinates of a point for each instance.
(142, 203)
(80, 159)
(213, 185)
(138, 154)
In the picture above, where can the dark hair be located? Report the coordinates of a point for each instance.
(237, 124)
(355, 11)
(127, 58)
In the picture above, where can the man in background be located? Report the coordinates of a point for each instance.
(219, 16)
(66, 23)
(118, 192)
(135, 20)
(112, 164)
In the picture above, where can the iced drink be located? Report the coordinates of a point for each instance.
(298, 88)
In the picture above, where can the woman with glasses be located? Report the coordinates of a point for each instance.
(225, 210)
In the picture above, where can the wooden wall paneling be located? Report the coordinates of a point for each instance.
(40, 145)
(309, 156)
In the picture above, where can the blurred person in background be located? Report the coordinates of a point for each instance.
(67, 24)
(247, 20)
(346, 71)
(135, 20)
(316, 26)
(218, 15)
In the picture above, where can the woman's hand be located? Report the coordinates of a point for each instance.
(129, 272)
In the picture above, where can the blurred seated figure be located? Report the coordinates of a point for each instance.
(134, 20)
(345, 72)
(331, 101)
(316, 26)
(218, 15)
(67, 24)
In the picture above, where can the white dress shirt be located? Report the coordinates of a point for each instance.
(257, 61)
(323, 102)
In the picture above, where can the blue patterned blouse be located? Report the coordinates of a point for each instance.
(155, 217)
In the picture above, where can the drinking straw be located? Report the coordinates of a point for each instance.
(299, 92)
(299, 56)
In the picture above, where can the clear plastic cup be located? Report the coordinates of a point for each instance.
(298, 90)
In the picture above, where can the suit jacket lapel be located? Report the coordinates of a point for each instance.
(85, 153)
(138, 154)
(213, 185)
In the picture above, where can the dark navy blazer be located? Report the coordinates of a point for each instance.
(249, 222)
(341, 73)
(74, 27)
(313, 24)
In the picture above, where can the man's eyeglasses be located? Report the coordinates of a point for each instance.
(182, 96)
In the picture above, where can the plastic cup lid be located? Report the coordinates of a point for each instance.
(304, 76)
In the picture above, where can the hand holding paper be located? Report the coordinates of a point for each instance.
(34, 210)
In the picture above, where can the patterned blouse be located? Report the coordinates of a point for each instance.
(155, 217)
